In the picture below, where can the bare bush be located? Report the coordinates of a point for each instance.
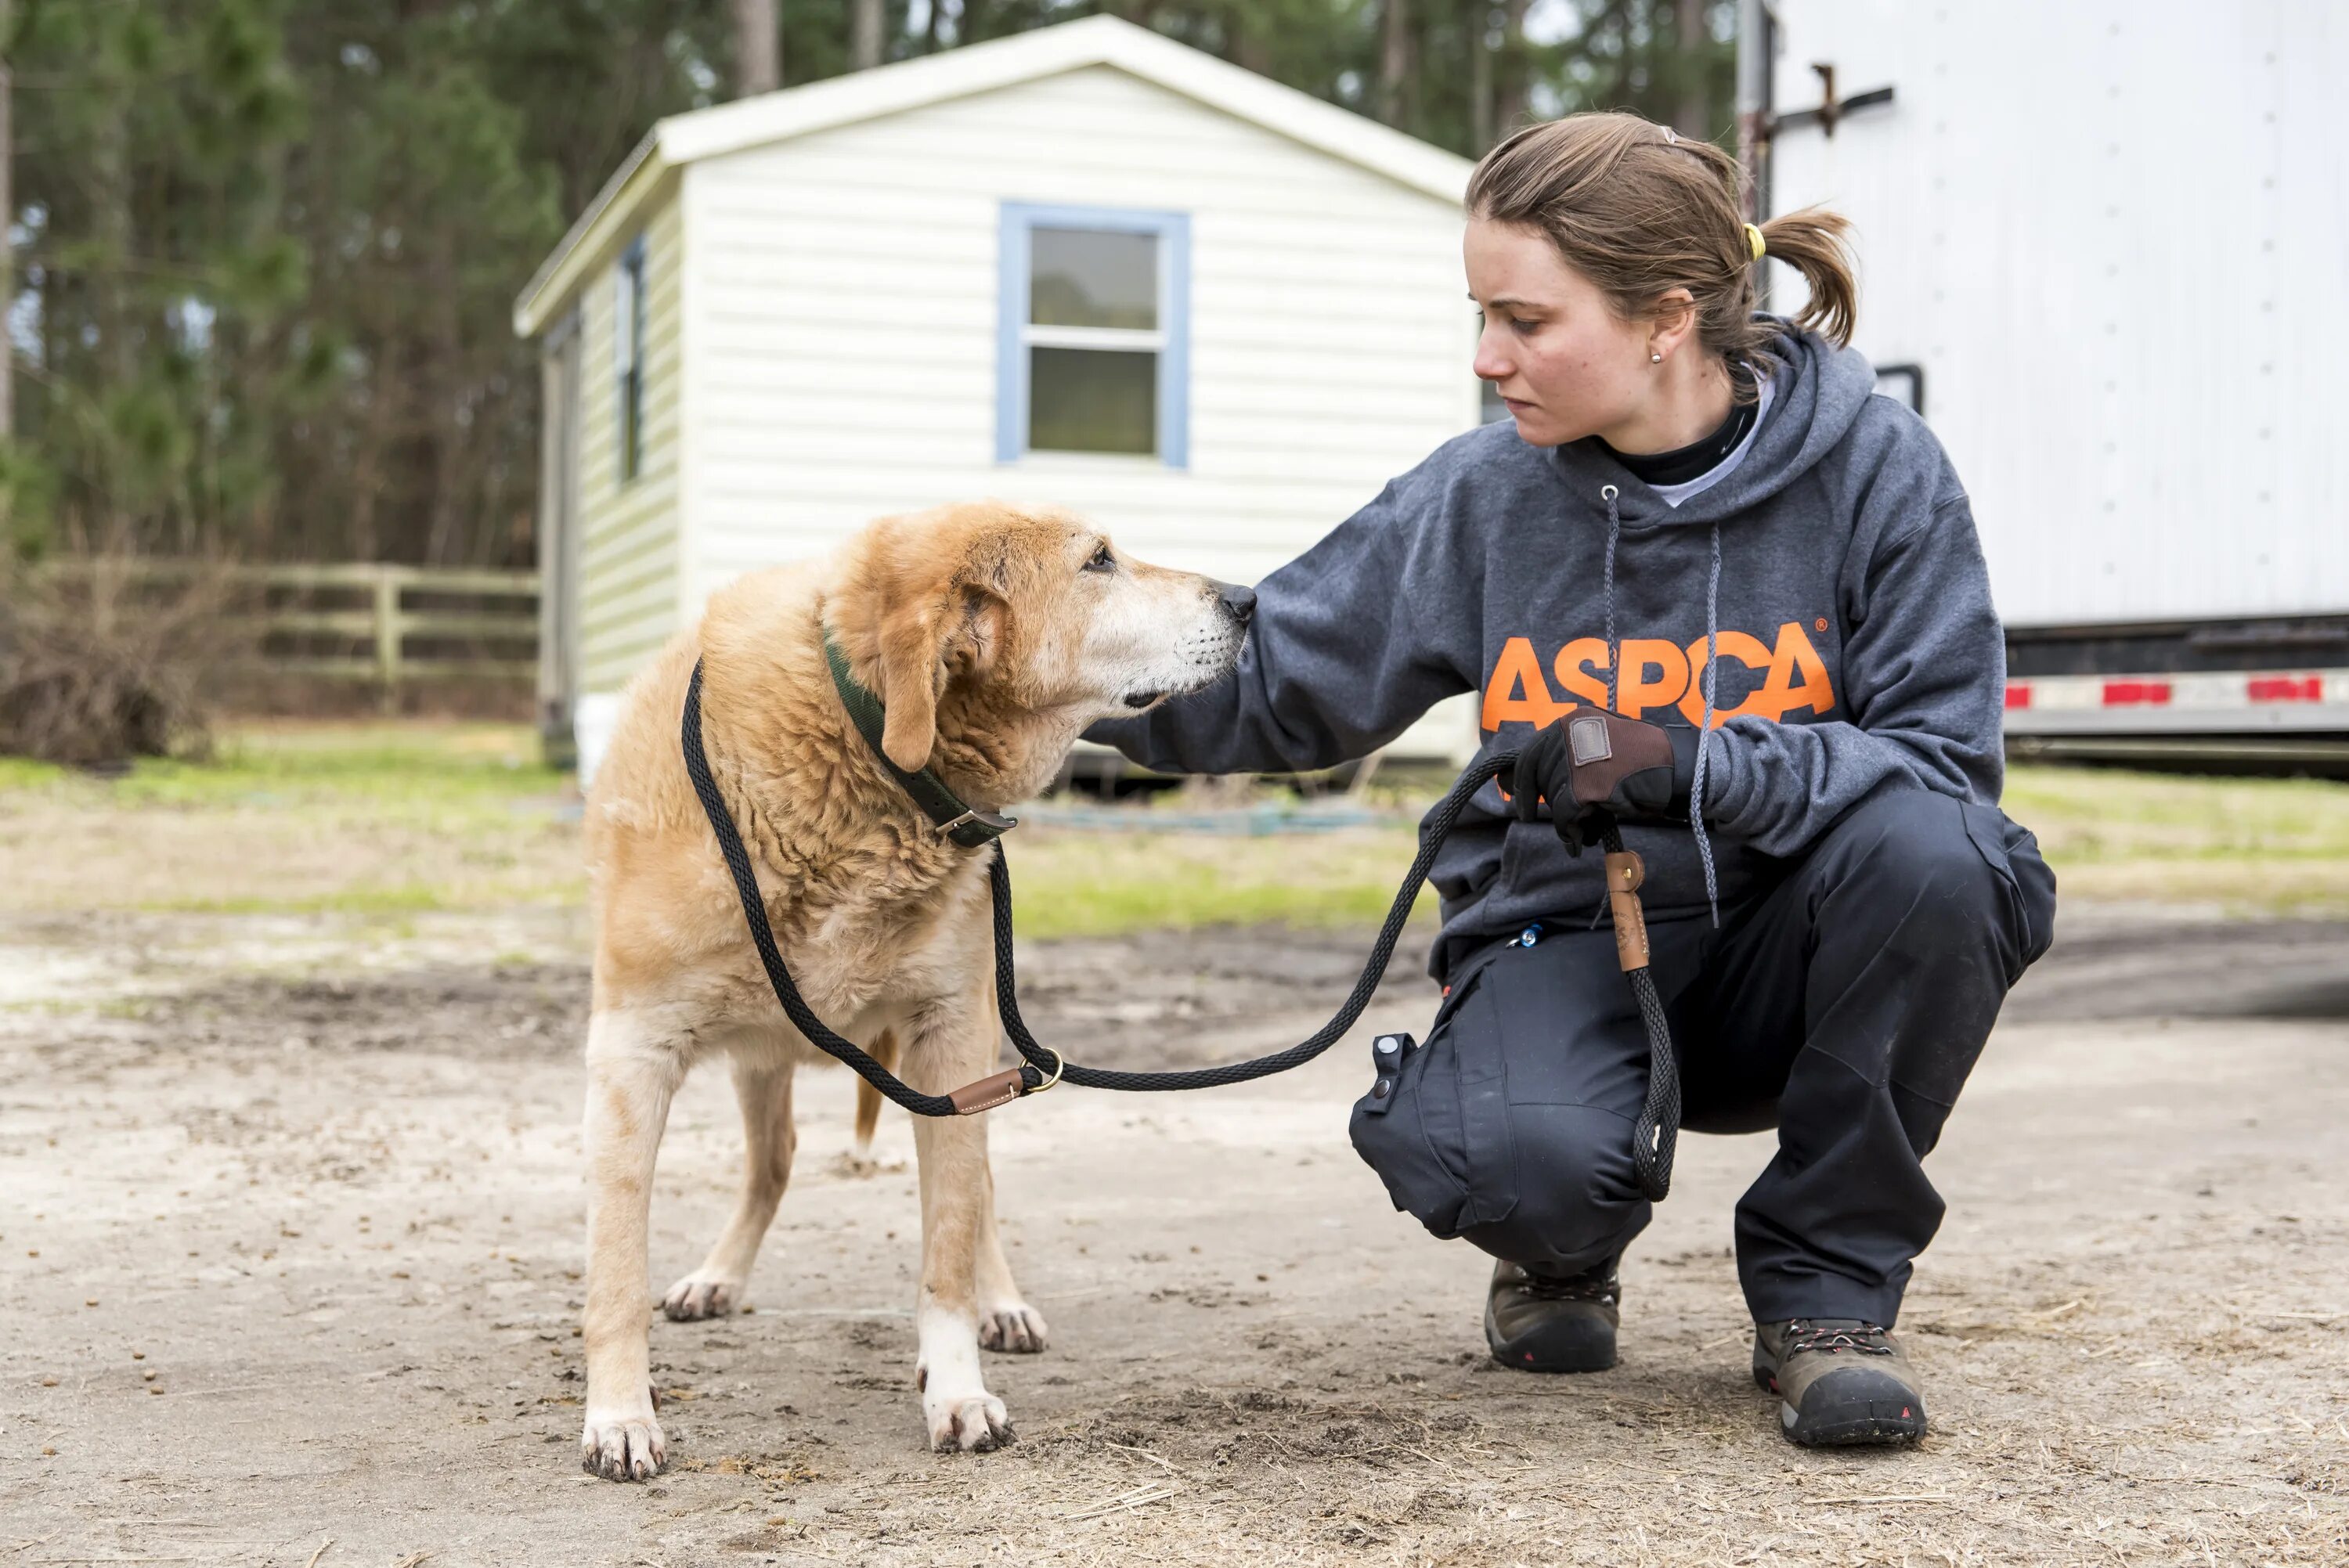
(105, 659)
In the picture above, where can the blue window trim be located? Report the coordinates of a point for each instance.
(628, 385)
(1174, 231)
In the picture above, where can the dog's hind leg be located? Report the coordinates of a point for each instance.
(1006, 1321)
(764, 1087)
(868, 1104)
(632, 1074)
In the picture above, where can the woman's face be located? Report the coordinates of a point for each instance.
(1566, 365)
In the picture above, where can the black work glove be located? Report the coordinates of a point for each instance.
(1593, 767)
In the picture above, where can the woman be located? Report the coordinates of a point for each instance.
(1702, 530)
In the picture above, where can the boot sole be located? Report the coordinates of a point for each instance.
(1571, 1345)
(1846, 1429)
(1858, 1423)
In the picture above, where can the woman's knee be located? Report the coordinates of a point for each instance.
(1579, 1199)
(1912, 861)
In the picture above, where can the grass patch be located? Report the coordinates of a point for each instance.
(385, 818)
(2269, 846)
(1076, 884)
(398, 820)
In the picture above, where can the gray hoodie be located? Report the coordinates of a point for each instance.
(1836, 570)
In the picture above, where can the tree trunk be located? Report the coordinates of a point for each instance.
(866, 22)
(1690, 117)
(7, 222)
(757, 48)
(1509, 71)
(1480, 76)
(1395, 64)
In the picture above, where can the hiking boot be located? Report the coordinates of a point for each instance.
(1541, 1322)
(1839, 1381)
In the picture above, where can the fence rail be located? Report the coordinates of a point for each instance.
(377, 625)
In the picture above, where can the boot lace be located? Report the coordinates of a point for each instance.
(1591, 1284)
(1804, 1336)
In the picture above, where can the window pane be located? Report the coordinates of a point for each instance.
(1091, 400)
(1086, 277)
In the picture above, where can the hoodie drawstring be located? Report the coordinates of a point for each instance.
(1614, 532)
(1609, 493)
(1704, 733)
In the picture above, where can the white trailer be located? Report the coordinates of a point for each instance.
(2103, 252)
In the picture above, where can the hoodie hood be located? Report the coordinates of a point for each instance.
(1817, 394)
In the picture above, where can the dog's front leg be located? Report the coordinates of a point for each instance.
(631, 1075)
(944, 1053)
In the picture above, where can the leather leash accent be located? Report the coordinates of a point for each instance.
(1625, 873)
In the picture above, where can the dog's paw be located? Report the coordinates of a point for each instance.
(1013, 1325)
(969, 1423)
(861, 1164)
(621, 1446)
(699, 1295)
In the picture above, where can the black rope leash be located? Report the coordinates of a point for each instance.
(1654, 1133)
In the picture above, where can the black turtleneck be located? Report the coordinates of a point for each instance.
(1700, 457)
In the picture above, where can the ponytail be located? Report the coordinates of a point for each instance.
(1816, 243)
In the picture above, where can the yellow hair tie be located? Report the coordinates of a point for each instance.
(1753, 239)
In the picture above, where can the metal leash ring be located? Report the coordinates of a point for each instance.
(1059, 1064)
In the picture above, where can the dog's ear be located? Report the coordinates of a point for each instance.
(932, 613)
(976, 642)
(911, 671)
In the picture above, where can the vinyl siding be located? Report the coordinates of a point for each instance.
(629, 544)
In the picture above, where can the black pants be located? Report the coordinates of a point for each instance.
(1844, 1006)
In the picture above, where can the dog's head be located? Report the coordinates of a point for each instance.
(987, 617)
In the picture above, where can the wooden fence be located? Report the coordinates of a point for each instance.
(387, 625)
(387, 622)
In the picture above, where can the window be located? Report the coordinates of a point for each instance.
(1094, 349)
(628, 355)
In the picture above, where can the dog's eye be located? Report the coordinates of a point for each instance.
(1102, 561)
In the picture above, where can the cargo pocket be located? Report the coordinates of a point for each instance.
(2029, 883)
(1417, 1137)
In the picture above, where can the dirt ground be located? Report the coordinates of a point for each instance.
(290, 1233)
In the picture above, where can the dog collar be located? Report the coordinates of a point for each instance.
(966, 825)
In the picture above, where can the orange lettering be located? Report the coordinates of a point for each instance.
(1516, 690)
(1742, 646)
(1573, 669)
(1635, 693)
(1798, 677)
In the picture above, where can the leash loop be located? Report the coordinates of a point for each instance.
(1654, 1132)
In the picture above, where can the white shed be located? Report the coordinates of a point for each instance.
(1085, 264)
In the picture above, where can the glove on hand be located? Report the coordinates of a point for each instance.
(1592, 766)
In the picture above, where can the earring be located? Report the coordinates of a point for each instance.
(1655, 359)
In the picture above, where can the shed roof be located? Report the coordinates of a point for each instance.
(959, 73)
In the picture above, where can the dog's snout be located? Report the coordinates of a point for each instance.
(1239, 603)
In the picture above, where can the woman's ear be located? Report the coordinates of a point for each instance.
(1675, 321)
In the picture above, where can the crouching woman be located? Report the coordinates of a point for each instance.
(1700, 529)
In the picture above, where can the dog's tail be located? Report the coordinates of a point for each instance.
(868, 1099)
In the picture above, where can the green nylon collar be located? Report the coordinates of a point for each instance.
(965, 825)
